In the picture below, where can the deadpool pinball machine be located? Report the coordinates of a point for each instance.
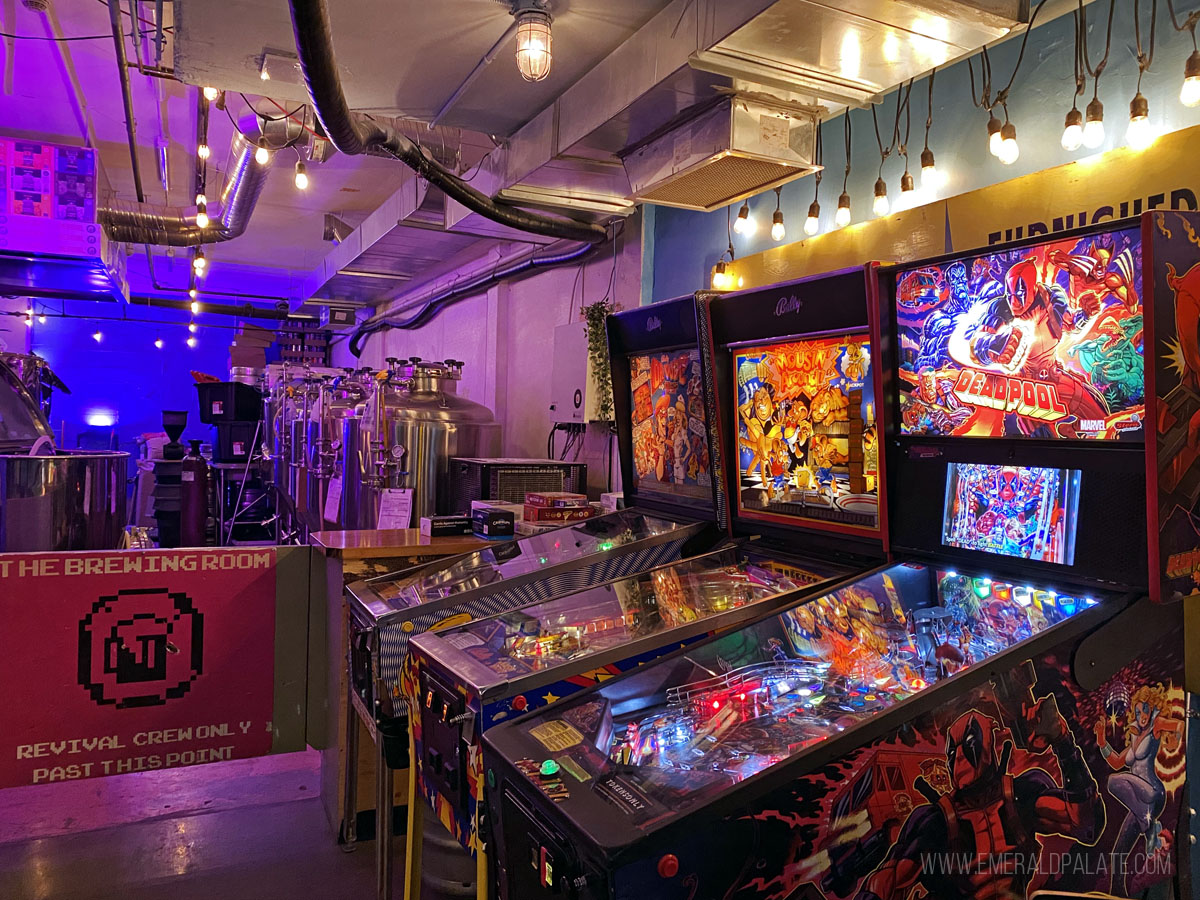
(999, 713)
(463, 680)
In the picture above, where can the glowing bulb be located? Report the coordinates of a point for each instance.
(198, 261)
(211, 94)
(201, 200)
(262, 155)
(1009, 151)
(721, 278)
(813, 223)
(192, 292)
(192, 327)
(195, 307)
(97, 336)
(842, 217)
(203, 151)
(744, 223)
(41, 320)
(1072, 136)
(534, 44)
(1140, 133)
(778, 232)
(191, 342)
(301, 177)
(202, 219)
(994, 127)
(929, 172)
(880, 205)
(158, 342)
(1189, 94)
(264, 74)
(29, 321)
(1093, 129)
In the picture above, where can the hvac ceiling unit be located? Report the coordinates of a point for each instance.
(740, 146)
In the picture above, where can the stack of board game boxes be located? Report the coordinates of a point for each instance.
(550, 509)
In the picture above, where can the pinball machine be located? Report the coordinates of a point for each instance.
(463, 680)
(1001, 712)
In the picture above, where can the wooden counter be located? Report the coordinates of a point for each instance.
(395, 542)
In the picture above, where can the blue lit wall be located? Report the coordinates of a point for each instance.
(124, 376)
(682, 246)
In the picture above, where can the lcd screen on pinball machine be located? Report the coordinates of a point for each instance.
(1024, 511)
(670, 429)
(1043, 341)
(807, 446)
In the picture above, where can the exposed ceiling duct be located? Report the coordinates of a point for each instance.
(354, 134)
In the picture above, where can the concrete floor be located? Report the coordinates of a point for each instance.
(245, 830)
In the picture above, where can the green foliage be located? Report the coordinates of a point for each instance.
(597, 337)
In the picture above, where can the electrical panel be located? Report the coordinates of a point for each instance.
(572, 381)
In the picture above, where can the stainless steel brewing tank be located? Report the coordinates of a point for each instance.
(69, 500)
(424, 424)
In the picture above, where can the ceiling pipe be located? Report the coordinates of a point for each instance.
(354, 133)
(474, 73)
(245, 310)
(114, 15)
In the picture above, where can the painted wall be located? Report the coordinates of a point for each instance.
(506, 338)
(682, 246)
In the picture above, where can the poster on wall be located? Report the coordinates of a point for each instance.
(1176, 259)
(128, 661)
(807, 445)
(670, 429)
(1043, 341)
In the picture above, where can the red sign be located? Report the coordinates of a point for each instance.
(133, 660)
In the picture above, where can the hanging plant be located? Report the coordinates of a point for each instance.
(598, 363)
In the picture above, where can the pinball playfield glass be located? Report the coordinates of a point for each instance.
(463, 680)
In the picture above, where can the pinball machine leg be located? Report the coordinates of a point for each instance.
(416, 829)
(383, 823)
(350, 772)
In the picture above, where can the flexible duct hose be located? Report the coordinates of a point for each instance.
(353, 133)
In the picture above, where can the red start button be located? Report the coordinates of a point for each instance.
(519, 702)
(668, 866)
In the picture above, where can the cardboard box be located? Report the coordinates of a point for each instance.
(493, 523)
(445, 526)
(517, 509)
(612, 501)
(558, 514)
(555, 499)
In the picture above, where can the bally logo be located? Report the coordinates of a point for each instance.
(653, 323)
(788, 305)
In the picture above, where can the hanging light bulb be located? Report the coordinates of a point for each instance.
(195, 307)
(262, 155)
(211, 94)
(1009, 151)
(744, 223)
(202, 220)
(1093, 128)
(880, 205)
(994, 128)
(812, 224)
(191, 342)
(97, 336)
(41, 320)
(192, 327)
(201, 200)
(778, 232)
(1072, 136)
(29, 320)
(198, 261)
(534, 43)
(719, 276)
(158, 342)
(1140, 133)
(301, 177)
(929, 172)
(907, 183)
(842, 217)
(192, 293)
(203, 151)
(1189, 94)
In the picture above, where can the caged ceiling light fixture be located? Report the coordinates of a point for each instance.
(534, 39)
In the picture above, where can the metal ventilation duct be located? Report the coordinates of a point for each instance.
(738, 147)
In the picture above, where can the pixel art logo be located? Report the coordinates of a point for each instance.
(140, 648)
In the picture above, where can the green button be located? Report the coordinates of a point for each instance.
(491, 778)
(549, 767)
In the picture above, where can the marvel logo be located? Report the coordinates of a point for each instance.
(1091, 424)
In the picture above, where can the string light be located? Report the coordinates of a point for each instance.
(203, 151)
(301, 177)
(97, 336)
(778, 232)
(198, 260)
(195, 306)
(1140, 133)
(842, 217)
(1189, 92)
(192, 327)
(812, 223)
(722, 275)
(191, 342)
(202, 220)
(1009, 151)
(1093, 129)
(158, 342)
(880, 205)
(994, 127)
(720, 278)
(211, 94)
(929, 172)
(41, 320)
(262, 155)
(201, 200)
(1072, 136)
(1093, 126)
(744, 223)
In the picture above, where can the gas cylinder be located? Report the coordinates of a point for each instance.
(194, 503)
